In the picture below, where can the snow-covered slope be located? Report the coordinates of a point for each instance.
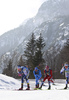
(8, 84)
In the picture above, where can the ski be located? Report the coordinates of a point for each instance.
(26, 90)
(34, 89)
(37, 89)
(22, 90)
(61, 89)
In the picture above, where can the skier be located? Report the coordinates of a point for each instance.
(66, 69)
(38, 76)
(23, 71)
(48, 75)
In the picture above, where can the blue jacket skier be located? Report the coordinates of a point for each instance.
(66, 69)
(24, 73)
(37, 75)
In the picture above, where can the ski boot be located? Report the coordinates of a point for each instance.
(41, 85)
(66, 86)
(21, 87)
(28, 87)
(37, 86)
(49, 87)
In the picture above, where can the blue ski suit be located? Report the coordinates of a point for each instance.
(37, 75)
(24, 73)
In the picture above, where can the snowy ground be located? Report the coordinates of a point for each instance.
(8, 84)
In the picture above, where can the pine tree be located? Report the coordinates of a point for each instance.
(33, 52)
(21, 61)
(8, 71)
(30, 50)
(39, 53)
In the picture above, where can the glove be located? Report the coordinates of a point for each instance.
(61, 72)
(39, 77)
(19, 74)
(36, 76)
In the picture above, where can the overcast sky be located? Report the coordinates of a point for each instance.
(14, 12)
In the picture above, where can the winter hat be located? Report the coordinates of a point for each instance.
(36, 68)
(47, 67)
(18, 66)
(65, 64)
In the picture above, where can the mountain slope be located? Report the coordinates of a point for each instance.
(52, 20)
(47, 11)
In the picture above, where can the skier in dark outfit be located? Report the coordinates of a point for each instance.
(24, 73)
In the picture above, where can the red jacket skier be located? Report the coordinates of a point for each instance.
(48, 75)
